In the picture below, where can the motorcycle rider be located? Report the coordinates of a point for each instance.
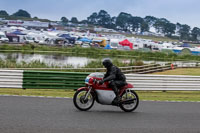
(115, 77)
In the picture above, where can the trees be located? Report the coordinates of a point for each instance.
(164, 26)
(35, 17)
(3, 13)
(22, 13)
(104, 19)
(169, 29)
(195, 33)
(83, 22)
(160, 25)
(184, 31)
(123, 21)
(74, 20)
(128, 23)
(113, 22)
(64, 20)
(92, 19)
(150, 20)
(144, 26)
(136, 23)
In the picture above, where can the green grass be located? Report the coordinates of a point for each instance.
(181, 71)
(38, 92)
(155, 38)
(169, 95)
(143, 95)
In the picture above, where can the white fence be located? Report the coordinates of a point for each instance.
(11, 78)
(164, 82)
(14, 79)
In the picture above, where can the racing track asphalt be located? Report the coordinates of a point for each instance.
(52, 115)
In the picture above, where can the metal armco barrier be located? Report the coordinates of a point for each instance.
(164, 82)
(53, 80)
(74, 80)
(11, 78)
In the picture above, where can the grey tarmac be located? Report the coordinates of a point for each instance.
(58, 115)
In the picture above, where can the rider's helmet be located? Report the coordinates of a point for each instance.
(107, 63)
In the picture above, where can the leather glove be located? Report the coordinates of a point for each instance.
(101, 82)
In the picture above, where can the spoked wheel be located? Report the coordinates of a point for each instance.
(81, 102)
(129, 101)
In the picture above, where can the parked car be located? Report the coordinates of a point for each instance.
(78, 42)
(127, 48)
(68, 44)
(3, 38)
(85, 45)
(70, 39)
(29, 39)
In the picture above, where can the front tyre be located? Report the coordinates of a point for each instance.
(81, 102)
(133, 101)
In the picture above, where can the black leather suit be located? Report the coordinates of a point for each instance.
(115, 77)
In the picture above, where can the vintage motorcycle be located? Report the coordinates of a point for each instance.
(85, 96)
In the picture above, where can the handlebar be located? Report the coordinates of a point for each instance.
(95, 81)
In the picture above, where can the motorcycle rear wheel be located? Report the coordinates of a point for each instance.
(128, 96)
(81, 103)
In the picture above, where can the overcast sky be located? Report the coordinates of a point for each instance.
(182, 11)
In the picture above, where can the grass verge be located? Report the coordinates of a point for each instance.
(143, 95)
(181, 71)
(169, 95)
(38, 92)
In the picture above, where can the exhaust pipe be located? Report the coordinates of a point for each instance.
(129, 101)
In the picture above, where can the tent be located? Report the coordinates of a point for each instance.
(85, 40)
(185, 45)
(126, 43)
(107, 46)
(69, 38)
(65, 35)
(12, 37)
(17, 32)
(101, 42)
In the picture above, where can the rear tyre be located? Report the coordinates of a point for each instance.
(133, 97)
(80, 102)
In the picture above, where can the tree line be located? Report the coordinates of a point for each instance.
(127, 23)
(20, 14)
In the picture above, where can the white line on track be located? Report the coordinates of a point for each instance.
(71, 98)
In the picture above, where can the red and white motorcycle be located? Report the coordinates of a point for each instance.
(85, 96)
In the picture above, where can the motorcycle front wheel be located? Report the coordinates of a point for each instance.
(81, 102)
(132, 101)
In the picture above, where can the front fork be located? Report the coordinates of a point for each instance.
(127, 91)
(88, 92)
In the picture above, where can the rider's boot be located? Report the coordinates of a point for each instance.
(117, 98)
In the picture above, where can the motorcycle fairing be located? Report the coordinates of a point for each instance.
(83, 88)
(105, 96)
